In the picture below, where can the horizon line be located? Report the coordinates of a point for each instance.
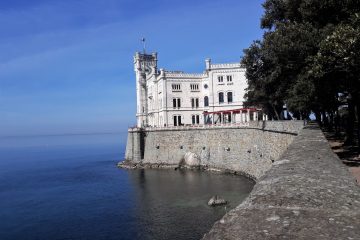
(61, 134)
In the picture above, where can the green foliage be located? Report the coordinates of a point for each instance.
(308, 55)
(339, 55)
(318, 13)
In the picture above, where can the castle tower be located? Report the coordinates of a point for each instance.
(145, 69)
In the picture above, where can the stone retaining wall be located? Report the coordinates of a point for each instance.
(249, 150)
(307, 194)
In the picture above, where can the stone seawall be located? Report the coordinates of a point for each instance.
(249, 150)
(307, 194)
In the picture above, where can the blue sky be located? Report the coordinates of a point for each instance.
(66, 66)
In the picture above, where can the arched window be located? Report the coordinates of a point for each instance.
(221, 97)
(230, 97)
(206, 101)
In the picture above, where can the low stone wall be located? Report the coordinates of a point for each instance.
(307, 194)
(248, 150)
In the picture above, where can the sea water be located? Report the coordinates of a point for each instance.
(69, 187)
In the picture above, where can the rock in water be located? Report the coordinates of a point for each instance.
(216, 200)
(192, 159)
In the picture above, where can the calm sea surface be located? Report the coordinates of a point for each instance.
(68, 187)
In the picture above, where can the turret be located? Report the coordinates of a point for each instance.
(208, 64)
(145, 66)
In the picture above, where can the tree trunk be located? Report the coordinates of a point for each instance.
(318, 118)
(276, 113)
(325, 119)
(337, 123)
(331, 122)
(358, 123)
(349, 139)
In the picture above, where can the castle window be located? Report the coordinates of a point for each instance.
(230, 97)
(206, 101)
(221, 97)
(195, 119)
(194, 102)
(176, 87)
(176, 102)
(194, 87)
(220, 79)
(177, 120)
(229, 78)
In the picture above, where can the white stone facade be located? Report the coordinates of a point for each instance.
(175, 98)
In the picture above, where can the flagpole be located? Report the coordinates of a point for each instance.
(143, 41)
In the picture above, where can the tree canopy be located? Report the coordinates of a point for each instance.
(308, 57)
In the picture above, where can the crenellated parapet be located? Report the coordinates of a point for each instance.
(226, 66)
(179, 74)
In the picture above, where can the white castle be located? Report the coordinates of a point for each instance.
(174, 98)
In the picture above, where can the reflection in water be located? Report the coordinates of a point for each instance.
(173, 204)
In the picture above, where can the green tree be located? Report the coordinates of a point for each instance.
(274, 64)
(338, 59)
(308, 56)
